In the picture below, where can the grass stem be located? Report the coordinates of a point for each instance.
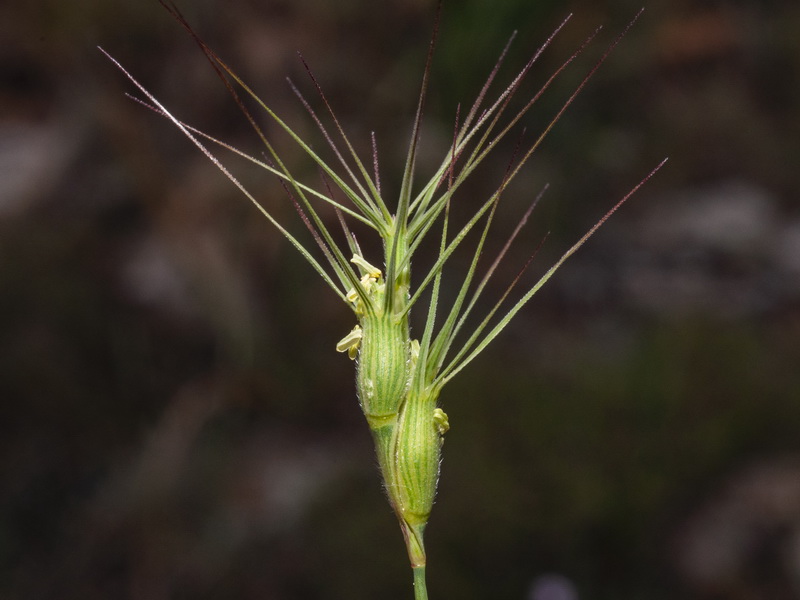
(420, 589)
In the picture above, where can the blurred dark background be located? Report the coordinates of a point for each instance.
(175, 422)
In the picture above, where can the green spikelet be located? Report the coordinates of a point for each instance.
(382, 371)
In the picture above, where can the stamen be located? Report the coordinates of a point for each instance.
(350, 342)
(370, 270)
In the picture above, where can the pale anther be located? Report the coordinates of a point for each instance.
(371, 270)
(350, 342)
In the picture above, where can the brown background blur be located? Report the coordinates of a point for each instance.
(175, 423)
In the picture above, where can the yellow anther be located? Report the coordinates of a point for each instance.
(369, 269)
(440, 421)
(350, 342)
(367, 284)
(367, 281)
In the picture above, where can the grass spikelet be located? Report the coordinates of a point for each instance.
(399, 379)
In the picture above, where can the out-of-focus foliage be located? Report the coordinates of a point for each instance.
(174, 421)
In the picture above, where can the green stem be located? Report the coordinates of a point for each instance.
(420, 589)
